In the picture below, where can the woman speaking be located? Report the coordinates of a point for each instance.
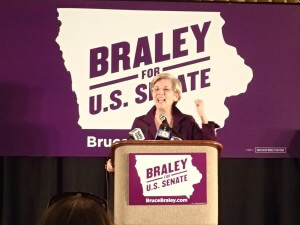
(166, 92)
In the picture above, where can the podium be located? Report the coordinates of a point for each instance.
(151, 175)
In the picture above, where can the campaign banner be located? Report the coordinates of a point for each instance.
(75, 75)
(167, 179)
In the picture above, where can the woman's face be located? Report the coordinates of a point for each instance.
(163, 95)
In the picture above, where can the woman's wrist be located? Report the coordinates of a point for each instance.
(204, 119)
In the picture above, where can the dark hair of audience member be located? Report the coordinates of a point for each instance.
(75, 210)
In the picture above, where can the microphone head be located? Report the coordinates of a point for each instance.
(137, 134)
(162, 117)
(163, 134)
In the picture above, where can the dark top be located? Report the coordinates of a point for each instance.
(184, 126)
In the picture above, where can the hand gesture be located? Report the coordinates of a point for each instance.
(109, 167)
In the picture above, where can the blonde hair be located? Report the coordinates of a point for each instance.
(176, 84)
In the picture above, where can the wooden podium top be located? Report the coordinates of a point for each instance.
(118, 144)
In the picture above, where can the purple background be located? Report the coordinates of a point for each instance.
(39, 113)
(199, 195)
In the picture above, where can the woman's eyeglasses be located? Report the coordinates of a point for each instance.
(156, 89)
(64, 195)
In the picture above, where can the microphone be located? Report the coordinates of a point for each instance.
(136, 134)
(164, 130)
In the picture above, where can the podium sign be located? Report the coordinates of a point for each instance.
(161, 182)
(167, 179)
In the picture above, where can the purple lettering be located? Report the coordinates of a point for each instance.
(142, 95)
(95, 104)
(114, 97)
(159, 55)
(142, 53)
(149, 173)
(178, 41)
(193, 75)
(183, 161)
(183, 84)
(200, 35)
(156, 171)
(204, 78)
(164, 169)
(120, 53)
(170, 168)
(95, 61)
(176, 165)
